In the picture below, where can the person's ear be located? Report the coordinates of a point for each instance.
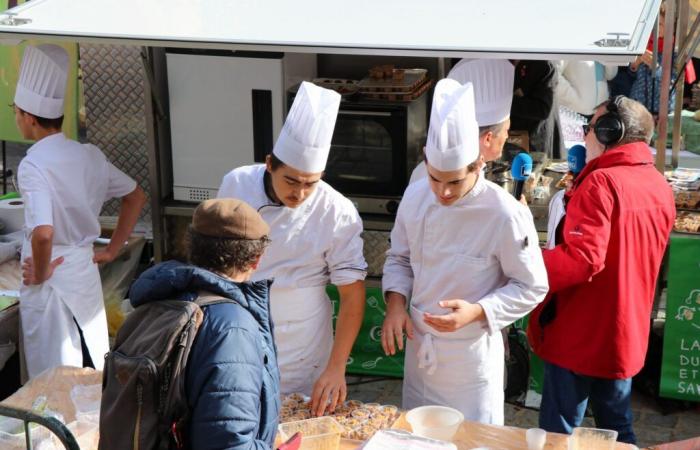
(487, 139)
(268, 163)
(255, 265)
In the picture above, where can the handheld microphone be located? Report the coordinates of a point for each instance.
(520, 170)
(576, 158)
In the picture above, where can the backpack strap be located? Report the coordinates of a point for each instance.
(206, 298)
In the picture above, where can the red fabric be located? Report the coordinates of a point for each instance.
(690, 75)
(602, 275)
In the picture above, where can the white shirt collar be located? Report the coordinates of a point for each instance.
(51, 139)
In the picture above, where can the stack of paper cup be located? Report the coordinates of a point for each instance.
(11, 215)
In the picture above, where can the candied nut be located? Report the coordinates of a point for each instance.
(353, 404)
(298, 396)
(361, 413)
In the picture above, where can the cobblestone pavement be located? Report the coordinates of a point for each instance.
(651, 426)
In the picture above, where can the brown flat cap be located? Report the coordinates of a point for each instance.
(228, 218)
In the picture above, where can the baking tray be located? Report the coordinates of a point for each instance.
(411, 80)
(342, 86)
(400, 96)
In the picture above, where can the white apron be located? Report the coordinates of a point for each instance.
(50, 336)
(303, 335)
(462, 370)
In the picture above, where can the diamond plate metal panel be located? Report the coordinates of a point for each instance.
(375, 248)
(115, 111)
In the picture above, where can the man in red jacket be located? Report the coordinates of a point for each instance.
(592, 330)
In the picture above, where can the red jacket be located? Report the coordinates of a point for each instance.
(602, 275)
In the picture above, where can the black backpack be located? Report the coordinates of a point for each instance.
(144, 404)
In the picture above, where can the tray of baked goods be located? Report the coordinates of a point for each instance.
(388, 79)
(687, 222)
(342, 86)
(352, 420)
(687, 199)
(400, 96)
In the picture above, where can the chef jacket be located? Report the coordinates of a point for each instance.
(64, 184)
(316, 243)
(482, 249)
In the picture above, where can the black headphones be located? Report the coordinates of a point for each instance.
(609, 128)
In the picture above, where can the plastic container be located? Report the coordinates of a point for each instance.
(435, 422)
(321, 433)
(86, 398)
(592, 439)
(536, 438)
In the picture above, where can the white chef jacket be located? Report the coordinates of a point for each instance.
(64, 184)
(317, 242)
(482, 249)
(314, 244)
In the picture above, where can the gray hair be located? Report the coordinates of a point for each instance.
(638, 121)
(495, 128)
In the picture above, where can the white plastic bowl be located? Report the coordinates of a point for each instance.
(436, 422)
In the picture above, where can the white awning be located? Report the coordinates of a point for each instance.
(613, 31)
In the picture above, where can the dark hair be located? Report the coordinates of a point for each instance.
(224, 255)
(275, 162)
(51, 124)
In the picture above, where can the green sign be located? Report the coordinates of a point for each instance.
(10, 59)
(680, 370)
(367, 357)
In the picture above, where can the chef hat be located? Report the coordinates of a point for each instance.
(453, 135)
(493, 87)
(305, 139)
(42, 81)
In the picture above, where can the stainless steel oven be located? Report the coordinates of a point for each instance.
(375, 146)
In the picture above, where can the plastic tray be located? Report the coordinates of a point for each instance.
(321, 433)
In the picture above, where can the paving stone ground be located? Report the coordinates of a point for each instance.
(651, 425)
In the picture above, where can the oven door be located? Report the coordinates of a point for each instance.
(368, 151)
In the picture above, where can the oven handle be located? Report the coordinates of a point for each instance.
(364, 113)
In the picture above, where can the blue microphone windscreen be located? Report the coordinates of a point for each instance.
(576, 158)
(521, 168)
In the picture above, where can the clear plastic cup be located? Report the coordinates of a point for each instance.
(535, 438)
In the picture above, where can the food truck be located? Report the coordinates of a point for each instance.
(218, 78)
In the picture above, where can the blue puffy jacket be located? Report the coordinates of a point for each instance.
(232, 379)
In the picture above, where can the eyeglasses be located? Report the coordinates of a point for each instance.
(587, 127)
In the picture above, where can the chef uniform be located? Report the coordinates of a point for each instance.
(63, 184)
(482, 249)
(493, 93)
(311, 245)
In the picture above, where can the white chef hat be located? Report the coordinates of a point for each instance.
(493, 87)
(305, 139)
(42, 81)
(453, 135)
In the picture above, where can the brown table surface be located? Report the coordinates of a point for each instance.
(472, 435)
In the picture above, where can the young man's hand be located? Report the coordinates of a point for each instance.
(396, 321)
(463, 313)
(29, 275)
(105, 256)
(329, 391)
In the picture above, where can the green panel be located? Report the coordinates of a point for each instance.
(680, 370)
(10, 59)
(367, 357)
